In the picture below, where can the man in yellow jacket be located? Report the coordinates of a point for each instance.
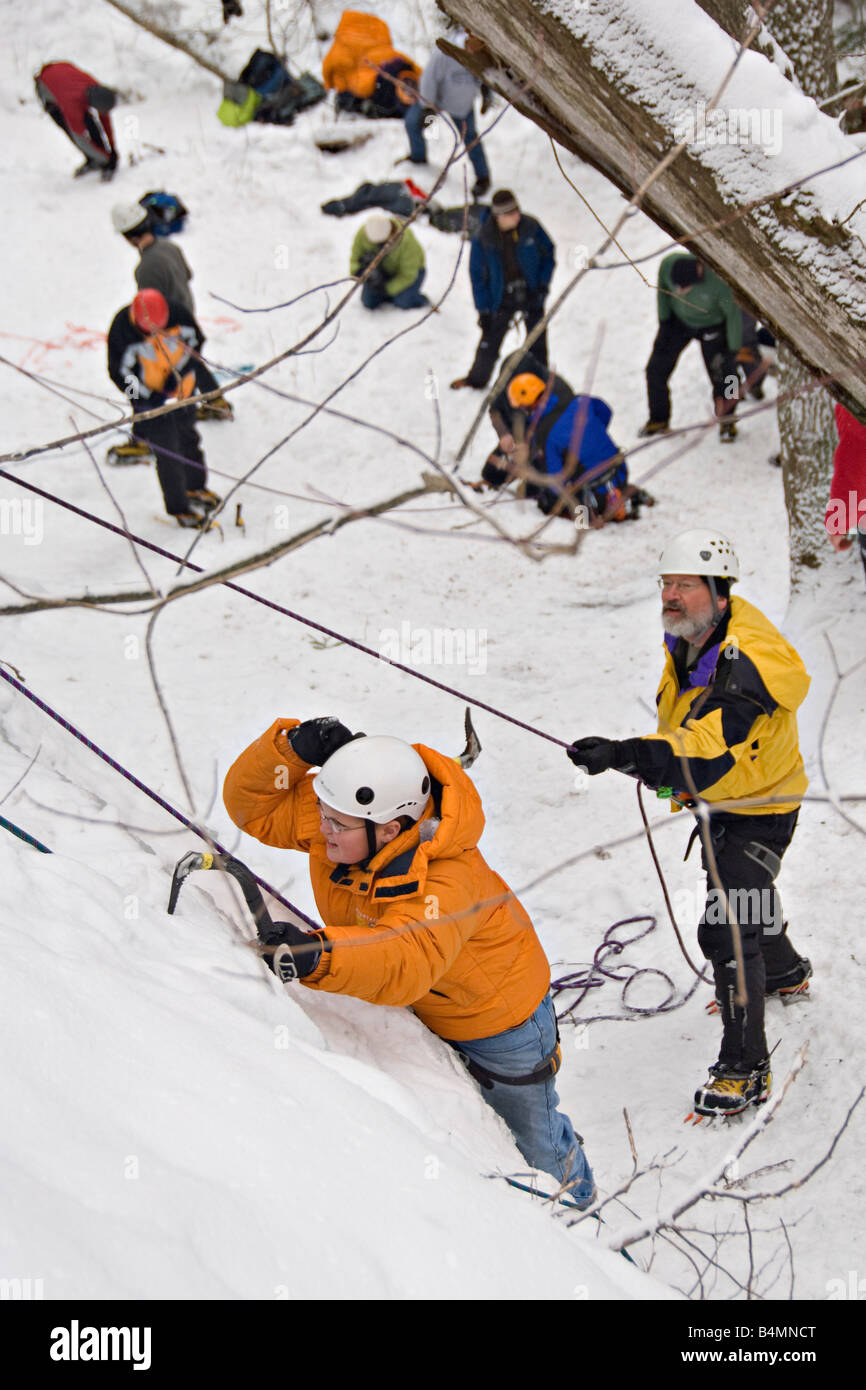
(727, 740)
(413, 915)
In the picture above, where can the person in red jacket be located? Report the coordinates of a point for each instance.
(846, 509)
(80, 106)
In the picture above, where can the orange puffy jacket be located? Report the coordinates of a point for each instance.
(425, 922)
(362, 43)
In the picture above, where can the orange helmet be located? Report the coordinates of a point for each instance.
(525, 389)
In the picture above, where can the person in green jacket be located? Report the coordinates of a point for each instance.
(694, 303)
(398, 277)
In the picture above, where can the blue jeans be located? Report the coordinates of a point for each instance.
(414, 119)
(544, 1136)
(410, 298)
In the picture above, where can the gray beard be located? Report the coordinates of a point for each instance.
(688, 628)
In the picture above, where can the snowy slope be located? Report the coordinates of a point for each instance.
(183, 1126)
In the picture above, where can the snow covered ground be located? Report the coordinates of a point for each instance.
(178, 1125)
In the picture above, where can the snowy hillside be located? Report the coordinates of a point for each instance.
(179, 1125)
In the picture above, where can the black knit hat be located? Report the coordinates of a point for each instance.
(684, 272)
(504, 201)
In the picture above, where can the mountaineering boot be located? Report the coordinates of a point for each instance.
(193, 521)
(654, 427)
(131, 452)
(480, 187)
(88, 167)
(730, 1091)
(795, 983)
(727, 432)
(460, 382)
(217, 409)
(202, 499)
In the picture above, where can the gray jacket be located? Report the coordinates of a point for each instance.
(162, 267)
(448, 86)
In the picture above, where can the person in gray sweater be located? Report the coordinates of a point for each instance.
(162, 266)
(450, 89)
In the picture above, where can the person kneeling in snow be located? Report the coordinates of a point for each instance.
(398, 277)
(413, 914)
(542, 425)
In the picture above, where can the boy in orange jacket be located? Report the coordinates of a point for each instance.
(413, 914)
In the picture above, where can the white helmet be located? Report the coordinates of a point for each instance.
(700, 552)
(378, 228)
(128, 217)
(377, 778)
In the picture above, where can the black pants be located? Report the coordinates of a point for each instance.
(720, 363)
(393, 197)
(204, 378)
(180, 464)
(491, 340)
(748, 852)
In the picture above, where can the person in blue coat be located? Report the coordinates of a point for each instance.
(541, 423)
(511, 262)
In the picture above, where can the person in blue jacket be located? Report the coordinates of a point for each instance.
(511, 262)
(543, 424)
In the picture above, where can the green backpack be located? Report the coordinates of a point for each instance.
(239, 104)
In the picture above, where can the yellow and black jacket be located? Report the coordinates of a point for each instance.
(727, 725)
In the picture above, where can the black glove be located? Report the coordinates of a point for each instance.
(595, 754)
(296, 954)
(316, 740)
(493, 473)
(486, 98)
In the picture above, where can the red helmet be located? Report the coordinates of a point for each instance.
(150, 310)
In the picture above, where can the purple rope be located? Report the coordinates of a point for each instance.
(287, 613)
(595, 975)
(166, 806)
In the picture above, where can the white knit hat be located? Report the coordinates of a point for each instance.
(377, 228)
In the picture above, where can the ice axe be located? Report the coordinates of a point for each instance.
(473, 742)
(238, 870)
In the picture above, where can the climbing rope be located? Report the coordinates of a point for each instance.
(22, 835)
(142, 787)
(286, 612)
(595, 975)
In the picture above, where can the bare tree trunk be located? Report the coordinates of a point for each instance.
(167, 37)
(807, 426)
(807, 432)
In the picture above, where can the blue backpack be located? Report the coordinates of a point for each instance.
(167, 212)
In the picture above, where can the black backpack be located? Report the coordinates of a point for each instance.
(283, 95)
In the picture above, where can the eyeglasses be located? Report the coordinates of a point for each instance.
(683, 586)
(334, 826)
